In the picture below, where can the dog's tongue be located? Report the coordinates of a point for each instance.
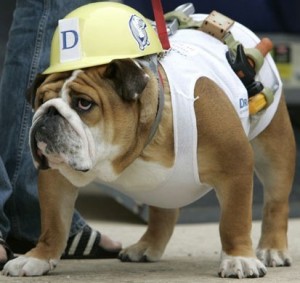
(52, 159)
(41, 148)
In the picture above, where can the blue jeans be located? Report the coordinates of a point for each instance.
(27, 54)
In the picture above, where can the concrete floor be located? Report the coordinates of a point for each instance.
(191, 256)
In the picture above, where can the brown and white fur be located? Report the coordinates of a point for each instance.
(124, 99)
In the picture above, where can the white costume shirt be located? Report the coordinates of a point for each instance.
(195, 54)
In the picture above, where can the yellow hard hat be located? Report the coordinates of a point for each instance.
(96, 33)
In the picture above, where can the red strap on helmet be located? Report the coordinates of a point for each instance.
(160, 24)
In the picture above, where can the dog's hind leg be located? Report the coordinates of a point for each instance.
(275, 165)
(153, 243)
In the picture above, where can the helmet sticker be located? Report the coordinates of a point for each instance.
(69, 39)
(138, 30)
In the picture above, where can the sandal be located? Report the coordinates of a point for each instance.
(85, 245)
(9, 253)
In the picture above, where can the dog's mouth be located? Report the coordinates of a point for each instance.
(54, 143)
(53, 154)
(54, 161)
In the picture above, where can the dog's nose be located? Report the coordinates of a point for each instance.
(52, 111)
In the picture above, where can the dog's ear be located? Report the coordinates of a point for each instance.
(31, 92)
(128, 78)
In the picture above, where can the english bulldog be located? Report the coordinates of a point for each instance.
(165, 133)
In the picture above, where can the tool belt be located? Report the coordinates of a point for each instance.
(245, 62)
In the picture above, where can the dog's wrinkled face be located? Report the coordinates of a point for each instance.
(58, 133)
(86, 122)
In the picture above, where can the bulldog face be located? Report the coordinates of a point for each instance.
(92, 122)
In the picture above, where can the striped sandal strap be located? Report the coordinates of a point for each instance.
(85, 245)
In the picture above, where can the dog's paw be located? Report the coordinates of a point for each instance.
(28, 266)
(274, 258)
(140, 252)
(241, 267)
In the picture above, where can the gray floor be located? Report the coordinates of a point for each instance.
(191, 256)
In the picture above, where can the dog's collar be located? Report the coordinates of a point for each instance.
(152, 63)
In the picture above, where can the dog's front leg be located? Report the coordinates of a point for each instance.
(57, 199)
(153, 243)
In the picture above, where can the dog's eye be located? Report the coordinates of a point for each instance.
(84, 104)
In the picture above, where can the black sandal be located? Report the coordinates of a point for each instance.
(9, 253)
(85, 245)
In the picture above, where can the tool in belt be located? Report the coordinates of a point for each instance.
(245, 62)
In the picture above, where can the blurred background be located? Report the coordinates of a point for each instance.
(277, 19)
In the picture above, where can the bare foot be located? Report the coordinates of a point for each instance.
(3, 254)
(109, 244)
